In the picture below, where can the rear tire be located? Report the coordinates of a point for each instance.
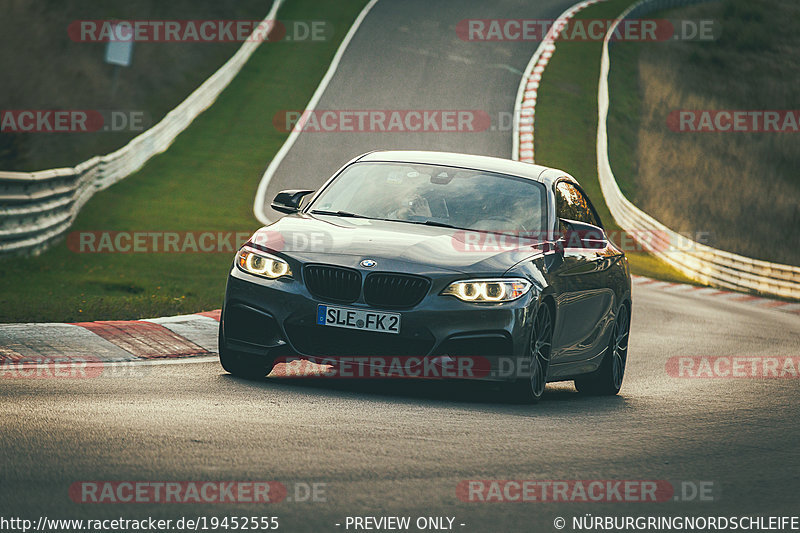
(530, 389)
(243, 365)
(607, 380)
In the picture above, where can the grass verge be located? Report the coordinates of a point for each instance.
(566, 125)
(205, 181)
(45, 68)
(738, 191)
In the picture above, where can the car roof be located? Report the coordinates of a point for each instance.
(546, 175)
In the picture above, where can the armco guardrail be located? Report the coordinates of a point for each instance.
(699, 262)
(38, 207)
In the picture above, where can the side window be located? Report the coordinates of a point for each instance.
(572, 204)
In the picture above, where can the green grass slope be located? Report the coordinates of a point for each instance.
(205, 181)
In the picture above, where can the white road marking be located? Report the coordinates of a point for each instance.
(259, 206)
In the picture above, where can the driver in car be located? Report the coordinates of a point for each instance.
(412, 206)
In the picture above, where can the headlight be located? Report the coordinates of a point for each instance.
(488, 290)
(261, 264)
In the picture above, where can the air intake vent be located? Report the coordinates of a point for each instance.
(333, 283)
(383, 289)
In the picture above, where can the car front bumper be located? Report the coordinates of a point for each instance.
(277, 318)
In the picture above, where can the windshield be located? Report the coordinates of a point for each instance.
(426, 194)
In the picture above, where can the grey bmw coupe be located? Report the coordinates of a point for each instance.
(435, 258)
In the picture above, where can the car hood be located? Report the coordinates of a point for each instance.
(393, 245)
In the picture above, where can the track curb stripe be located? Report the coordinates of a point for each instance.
(731, 296)
(525, 111)
(193, 336)
(144, 339)
(201, 329)
(37, 342)
(112, 341)
(7, 354)
(215, 314)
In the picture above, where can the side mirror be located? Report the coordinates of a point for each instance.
(289, 201)
(582, 235)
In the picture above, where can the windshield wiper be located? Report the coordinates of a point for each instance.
(336, 213)
(438, 224)
(355, 215)
(425, 223)
(446, 225)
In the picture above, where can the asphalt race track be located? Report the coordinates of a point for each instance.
(407, 56)
(401, 448)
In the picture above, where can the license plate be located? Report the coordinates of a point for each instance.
(342, 317)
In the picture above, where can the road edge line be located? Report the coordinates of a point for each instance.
(259, 203)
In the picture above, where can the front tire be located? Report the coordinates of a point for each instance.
(241, 364)
(531, 388)
(607, 380)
